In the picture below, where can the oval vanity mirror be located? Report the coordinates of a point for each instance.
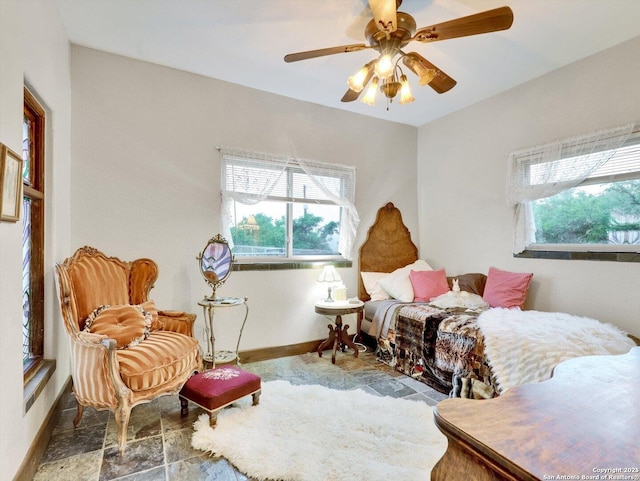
(216, 262)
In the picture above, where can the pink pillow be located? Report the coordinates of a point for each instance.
(506, 289)
(428, 284)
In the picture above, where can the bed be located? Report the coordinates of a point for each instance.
(455, 342)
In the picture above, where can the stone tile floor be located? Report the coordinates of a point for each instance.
(158, 446)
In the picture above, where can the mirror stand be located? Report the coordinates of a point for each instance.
(216, 262)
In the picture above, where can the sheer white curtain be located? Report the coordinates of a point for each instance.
(546, 170)
(246, 179)
(250, 177)
(342, 193)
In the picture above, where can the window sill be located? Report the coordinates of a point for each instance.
(286, 265)
(581, 256)
(37, 383)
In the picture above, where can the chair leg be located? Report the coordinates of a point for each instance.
(184, 407)
(256, 398)
(78, 417)
(122, 414)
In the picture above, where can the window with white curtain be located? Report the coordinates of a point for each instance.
(578, 194)
(284, 208)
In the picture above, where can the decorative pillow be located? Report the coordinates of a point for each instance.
(473, 283)
(126, 324)
(150, 308)
(428, 284)
(372, 286)
(506, 289)
(398, 285)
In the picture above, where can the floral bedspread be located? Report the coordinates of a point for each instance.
(443, 348)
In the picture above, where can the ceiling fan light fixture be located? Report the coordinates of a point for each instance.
(390, 31)
(390, 89)
(405, 91)
(370, 96)
(358, 80)
(384, 66)
(426, 75)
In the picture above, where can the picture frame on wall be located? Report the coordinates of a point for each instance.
(10, 184)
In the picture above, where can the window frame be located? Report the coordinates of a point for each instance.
(289, 168)
(35, 191)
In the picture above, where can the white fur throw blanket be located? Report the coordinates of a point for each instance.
(524, 346)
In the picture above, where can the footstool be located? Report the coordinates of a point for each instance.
(216, 388)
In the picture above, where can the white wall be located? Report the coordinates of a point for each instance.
(465, 225)
(141, 178)
(41, 60)
(146, 180)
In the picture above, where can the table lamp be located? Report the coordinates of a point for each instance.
(329, 276)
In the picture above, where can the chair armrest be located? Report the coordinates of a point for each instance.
(177, 321)
(91, 338)
(96, 354)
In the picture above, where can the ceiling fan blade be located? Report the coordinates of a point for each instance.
(439, 81)
(384, 14)
(350, 96)
(483, 22)
(294, 57)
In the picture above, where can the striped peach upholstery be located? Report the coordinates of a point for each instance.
(174, 321)
(144, 273)
(97, 282)
(91, 382)
(158, 360)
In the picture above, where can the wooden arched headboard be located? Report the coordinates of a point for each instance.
(388, 246)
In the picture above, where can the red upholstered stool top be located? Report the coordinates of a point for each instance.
(218, 387)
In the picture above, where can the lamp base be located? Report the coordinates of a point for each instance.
(329, 298)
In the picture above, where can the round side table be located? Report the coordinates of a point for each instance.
(209, 306)
(338, 336)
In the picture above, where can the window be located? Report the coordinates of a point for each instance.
(32, 235)
(279, 208)
(579, 194)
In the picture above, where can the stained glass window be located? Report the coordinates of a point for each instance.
(27, 126)
(26, 242)
(33, 207)
(26, 279)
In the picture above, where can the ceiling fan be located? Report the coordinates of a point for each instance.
(388, 32)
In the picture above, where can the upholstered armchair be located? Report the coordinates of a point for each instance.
(124, 351)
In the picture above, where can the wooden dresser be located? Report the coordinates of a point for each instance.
(581, 422)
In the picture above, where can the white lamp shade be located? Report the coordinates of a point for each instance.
(330, 278)
(329, 275)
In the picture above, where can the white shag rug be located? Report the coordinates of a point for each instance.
(313, 433)
(524, 346)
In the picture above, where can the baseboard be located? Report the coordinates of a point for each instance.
(264, 354)
(32, 460)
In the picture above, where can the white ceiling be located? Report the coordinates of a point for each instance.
(244, 41)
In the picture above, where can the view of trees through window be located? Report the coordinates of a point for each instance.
(593, 214)
(261, 230)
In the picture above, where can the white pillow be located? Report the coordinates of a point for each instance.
(398, 285)
(372, 286)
